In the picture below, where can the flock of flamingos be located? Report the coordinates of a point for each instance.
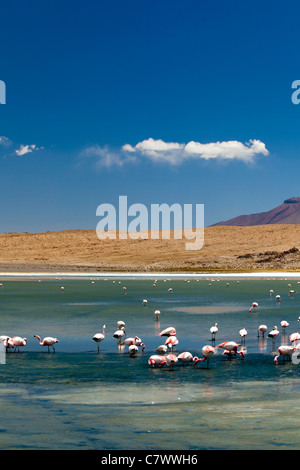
(166, 356)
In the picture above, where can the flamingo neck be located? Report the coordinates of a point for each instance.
(39, 339)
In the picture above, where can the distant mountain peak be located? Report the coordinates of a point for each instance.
(286, 213)
(292, 200)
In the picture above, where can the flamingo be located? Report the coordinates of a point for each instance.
(171, 331)
(144, 303)
(185, 357)
(99, 337)
(119, 334)
(47, 341)
(171, 360)
(7, 342)
(284, 325)
(132, 341)
(207, 352)
(171, 341)
(273, 333)
(4, 338)
(120, 324)
(133, 349)
(294, 337)
(214, 330)
(18, 342)
(243, 333)
(136, 341)
(162, 349)
(262, 329)
(278, 298)
(157, 361)
(286, 351)
(254, 305)
(157, 313)
(231, 347)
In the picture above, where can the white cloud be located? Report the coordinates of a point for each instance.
(175, 153)
(227, 150)
(5, 141)
(9, 148)
(105, 157)
(24, 149)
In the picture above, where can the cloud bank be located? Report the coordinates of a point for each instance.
(175, 153)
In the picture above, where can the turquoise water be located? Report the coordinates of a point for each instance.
(78, 399)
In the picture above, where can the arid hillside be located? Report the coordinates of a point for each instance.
(287, 213)
(225, 248)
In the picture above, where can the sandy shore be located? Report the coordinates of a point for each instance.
(226, 249)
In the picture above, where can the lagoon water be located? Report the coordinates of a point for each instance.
(78, 399)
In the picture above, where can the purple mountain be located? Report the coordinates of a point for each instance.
(286, 213)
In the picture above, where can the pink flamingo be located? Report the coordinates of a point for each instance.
(171, 342)
(171, 331)
(214, 330)
(18, 342)
(47, 341)
(231, 347)
(119, 334)
(7, 342)
(262, 329)
(162, 349)
(243, 333)
(157, 361)
(185, 357)
(286, 351)
(273, 333)
(284, 324)
(207, 352)
(157, 313)
(254, 305)
(133, 349)
(294, 337)
(132, 341)
(136, 341)
(171, 360)
(99, 337)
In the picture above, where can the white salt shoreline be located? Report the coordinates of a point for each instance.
(152, 275)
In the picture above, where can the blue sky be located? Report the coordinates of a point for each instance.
(85, 79)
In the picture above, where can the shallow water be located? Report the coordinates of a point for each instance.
(78, 399)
